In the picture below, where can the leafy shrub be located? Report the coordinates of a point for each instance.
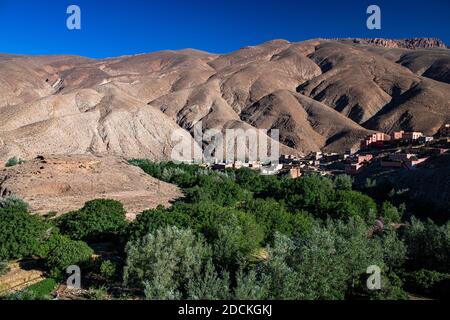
(314, 194)
(231, 232)
(430, 283)
(14, 161)
(428, 246)
(13, 203)
(152, 220)
(343, 182)
(39, 291)
(235, 237)
(167, 263)
(351, 204)
(329, 262)
(108, 269)
(68, 252)
(312, 270)
(316, 230)
(4, 267)
(391, 289)
(301, 224)
(43, 289)
(390, 213)
(100, 293)
(20, 232)
(97, 220)
(54, 240)
(271, 216)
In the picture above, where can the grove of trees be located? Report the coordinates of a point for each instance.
(241, 235)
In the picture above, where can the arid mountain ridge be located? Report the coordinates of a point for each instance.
(321, 95)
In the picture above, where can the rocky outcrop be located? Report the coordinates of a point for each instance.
(411, 43)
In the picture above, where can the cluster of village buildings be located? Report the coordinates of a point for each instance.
(398, 150)
(388, 149)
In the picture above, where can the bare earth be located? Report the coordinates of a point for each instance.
(64, 183)
(320, 94)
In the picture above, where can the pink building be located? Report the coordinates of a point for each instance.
(397, 135)
(412, 136)
(356, 163)
(375, 140)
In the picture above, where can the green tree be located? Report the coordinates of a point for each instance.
(97, 220)
(390, 213)
(428, 245)
(108, 269)
(351, 204)
(68, 252)
(164, 263)
(271, 216)
(152, 220)
(20, 233)
(314, 194)
(428, 282)
(250, 287)
(343, 182)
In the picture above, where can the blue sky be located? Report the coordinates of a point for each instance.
(118, 27)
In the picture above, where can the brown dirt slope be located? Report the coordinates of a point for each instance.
(64, 183)
(130, 106)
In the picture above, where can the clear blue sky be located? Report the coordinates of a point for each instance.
(119, 27)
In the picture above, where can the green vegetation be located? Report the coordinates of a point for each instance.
(308, 225)
(431, 283)
(108, 269)
(428, 245)
(97, 220)
(20, 233)
(68, 252)
(39, 291)
(43, 289)
(167, 263)
(4, 267)
(14, 161)
(239, 235)
(100, 293)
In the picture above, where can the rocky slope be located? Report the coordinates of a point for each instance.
(413, 43)
(320, 94)
(64, 183)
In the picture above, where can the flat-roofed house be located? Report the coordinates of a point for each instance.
(397, 135)
(377, 139)
(402, 160)
(412, 136)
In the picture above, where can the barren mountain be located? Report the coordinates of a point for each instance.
(320, 94)
(64, 183)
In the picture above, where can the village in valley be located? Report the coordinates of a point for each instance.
(399, 150)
